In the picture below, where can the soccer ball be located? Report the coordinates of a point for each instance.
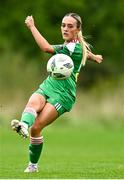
(60, 66)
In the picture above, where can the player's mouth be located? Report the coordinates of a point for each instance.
(65, 34)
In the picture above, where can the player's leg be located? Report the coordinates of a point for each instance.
(45, 117)
(33, 107)
(49, 113)
(35, 104)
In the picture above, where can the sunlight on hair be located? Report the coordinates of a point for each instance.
(85, 46)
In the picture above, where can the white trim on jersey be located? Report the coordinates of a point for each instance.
(71, 47)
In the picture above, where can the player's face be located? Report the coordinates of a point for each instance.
(69, 28)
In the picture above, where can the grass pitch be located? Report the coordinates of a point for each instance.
(69, 152)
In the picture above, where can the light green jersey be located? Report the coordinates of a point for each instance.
(65, 90)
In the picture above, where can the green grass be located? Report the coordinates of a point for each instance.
(69, 152)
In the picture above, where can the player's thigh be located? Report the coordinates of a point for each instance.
(45, 117)
(37, 102)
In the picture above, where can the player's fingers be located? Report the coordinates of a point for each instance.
(29, 18)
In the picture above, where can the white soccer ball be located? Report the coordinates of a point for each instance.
(60, 66)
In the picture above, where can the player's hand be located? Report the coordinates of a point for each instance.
(29, 21)
(94, 57)
(98, 58)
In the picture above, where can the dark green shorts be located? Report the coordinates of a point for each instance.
(54, 101)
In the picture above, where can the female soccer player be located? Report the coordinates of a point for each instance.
(53, 97)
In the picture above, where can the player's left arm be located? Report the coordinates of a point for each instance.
(94, 57)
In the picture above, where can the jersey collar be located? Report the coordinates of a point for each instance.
(73, 41)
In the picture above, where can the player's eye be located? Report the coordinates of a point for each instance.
(63, 25)
(67, 25)
(70, 26)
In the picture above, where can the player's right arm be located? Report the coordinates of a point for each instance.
(40, 40)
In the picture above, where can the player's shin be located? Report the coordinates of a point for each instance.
(28, 116)
(35, 148)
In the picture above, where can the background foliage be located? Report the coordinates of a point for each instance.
(23, 65)
(102, 25)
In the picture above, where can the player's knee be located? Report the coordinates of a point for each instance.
(32, 104)
(35, 130)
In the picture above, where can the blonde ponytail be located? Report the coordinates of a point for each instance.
(84, 44)
(85, 47)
